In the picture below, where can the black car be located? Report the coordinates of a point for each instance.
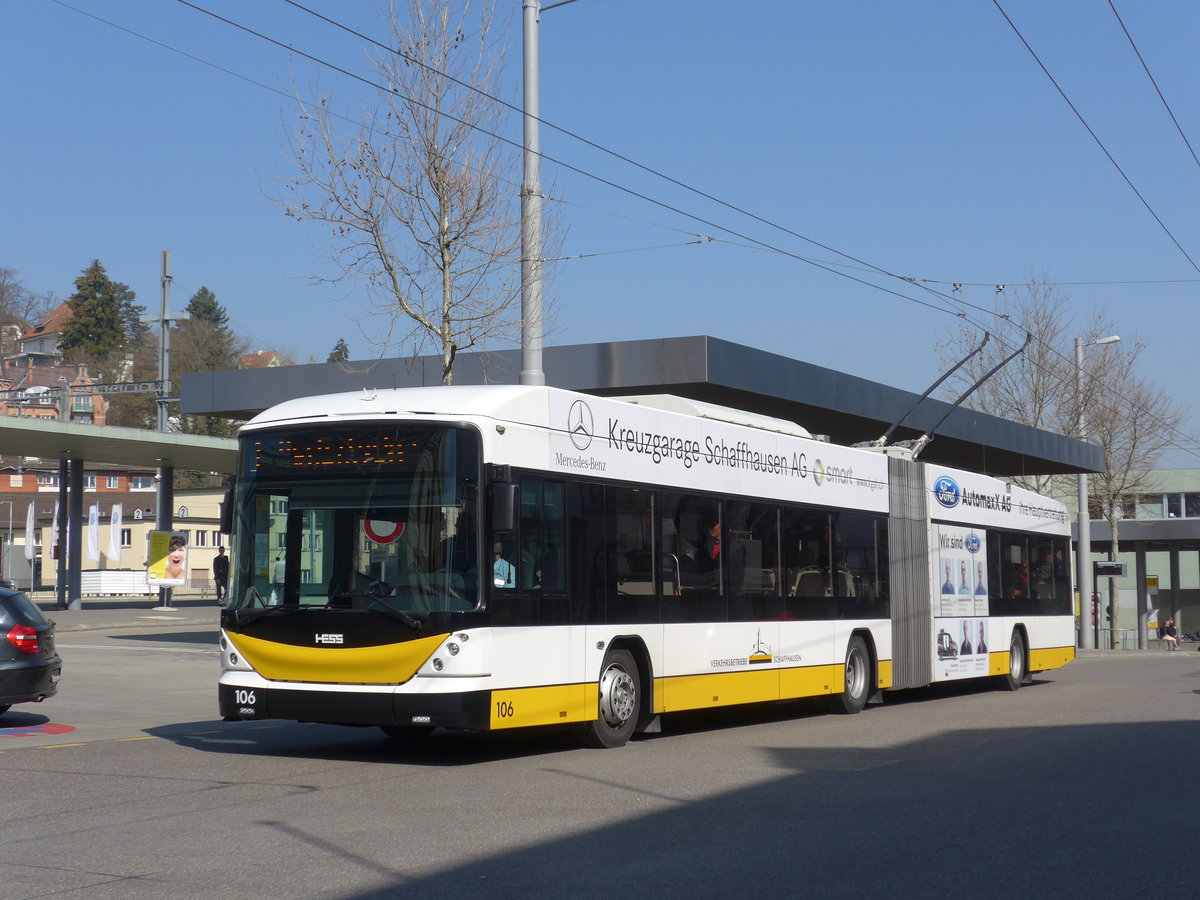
(29, 667)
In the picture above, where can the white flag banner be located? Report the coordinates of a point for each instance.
(30, 537)
(93, 545)
(114, 533)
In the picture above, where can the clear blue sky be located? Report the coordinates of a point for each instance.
(920, 137)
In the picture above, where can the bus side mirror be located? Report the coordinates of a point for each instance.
(505, 498)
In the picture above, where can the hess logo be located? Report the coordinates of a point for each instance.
(329, 638)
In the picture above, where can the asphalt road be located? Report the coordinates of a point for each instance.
(127, 785)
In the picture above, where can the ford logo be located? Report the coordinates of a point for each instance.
(946, 492)
(972, 543)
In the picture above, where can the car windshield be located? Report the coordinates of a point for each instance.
(364, 516)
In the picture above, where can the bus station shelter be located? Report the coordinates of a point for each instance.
(845, 408)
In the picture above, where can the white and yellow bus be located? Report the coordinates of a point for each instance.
(500, 556)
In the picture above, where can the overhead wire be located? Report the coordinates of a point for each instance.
(606, 150)
(1099, 143)
(1154, 82)
(576, 169)
(753, 242)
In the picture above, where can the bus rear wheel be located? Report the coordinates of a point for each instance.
(1011, 680)
(857, 687)
(620, 703)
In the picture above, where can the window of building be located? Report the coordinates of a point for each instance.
(141, 482)
(201, 538)
(47, 479)
(1149, 506)
(89, 482)
(112, 482)
(126, 537)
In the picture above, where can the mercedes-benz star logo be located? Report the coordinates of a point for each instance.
(580, 425)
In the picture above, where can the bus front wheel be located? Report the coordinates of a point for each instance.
(619, 705)
(857, 688)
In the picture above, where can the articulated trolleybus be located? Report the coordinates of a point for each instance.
(497, 557)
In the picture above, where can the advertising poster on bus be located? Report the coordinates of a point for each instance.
(167, 558)
(961, 649)
(962, 571)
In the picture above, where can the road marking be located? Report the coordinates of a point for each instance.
(59, 746)
(149, 738)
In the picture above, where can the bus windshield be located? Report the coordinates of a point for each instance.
(361, 516)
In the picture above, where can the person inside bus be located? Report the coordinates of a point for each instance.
(965, 648)
(704, 551)
(1043, 576)
(504, 573)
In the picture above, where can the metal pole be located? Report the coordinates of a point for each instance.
(75, 535)
(1143, 595)
(60, 583)
(166, 474)
(1176, 596)
(1083, 545)
(8, 544)
(164, 342)
(531, 209)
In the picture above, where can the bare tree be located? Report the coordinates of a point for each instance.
(1036, 388)
(1118, 410)
(19, 309)
(1135, 423)
(419, 199)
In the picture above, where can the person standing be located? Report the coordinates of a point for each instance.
(221, 574)
(278, 577)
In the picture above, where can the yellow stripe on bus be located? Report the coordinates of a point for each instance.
(560, 703)
(1050, 658)
(731, 688)
(883, 674)
(384, 664)
(548, 705)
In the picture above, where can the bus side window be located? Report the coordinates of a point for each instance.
(543, 536)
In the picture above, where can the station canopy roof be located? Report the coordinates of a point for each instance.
(52, 440)
(846, 408)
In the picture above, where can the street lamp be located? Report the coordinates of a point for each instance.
(1083, 549)
(532, 325)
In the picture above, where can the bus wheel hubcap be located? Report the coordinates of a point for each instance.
(616, 696)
